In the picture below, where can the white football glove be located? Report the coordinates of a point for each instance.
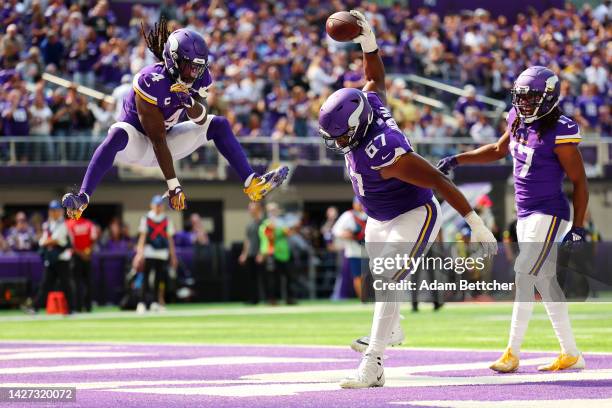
(481, 234)
(366, 39)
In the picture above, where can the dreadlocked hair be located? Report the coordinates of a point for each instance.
(549, 121)
(156, 38)
(545, 123)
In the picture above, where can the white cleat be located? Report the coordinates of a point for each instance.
(370, 373)
(565, 362)
(361, 344)
(141, 308)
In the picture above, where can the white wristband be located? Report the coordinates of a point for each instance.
(173, 183)
(202, 115)
(473, 220)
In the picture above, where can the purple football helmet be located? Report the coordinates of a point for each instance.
(185, 55)
(344, 119)
(535, 93)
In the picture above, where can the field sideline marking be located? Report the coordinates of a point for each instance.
(558, 403)
(241, 311)
(188, 362)
(171, 344)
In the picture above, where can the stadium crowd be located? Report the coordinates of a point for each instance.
(273, 64)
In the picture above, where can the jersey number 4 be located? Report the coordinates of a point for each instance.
(522, 155)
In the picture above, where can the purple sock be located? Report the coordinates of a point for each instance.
(221, 134)
(103, 159)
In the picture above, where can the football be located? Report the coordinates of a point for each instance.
(342, 26)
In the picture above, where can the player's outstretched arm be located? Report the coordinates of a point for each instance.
(484, 154)
(374, 68)
(152, 121)
(571, 161)
(415, 170)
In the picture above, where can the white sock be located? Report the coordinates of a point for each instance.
(556, 307)
(521, 311)
(386, 317)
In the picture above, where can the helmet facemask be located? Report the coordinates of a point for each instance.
(189, 71)
(341, 144)
(346, 142)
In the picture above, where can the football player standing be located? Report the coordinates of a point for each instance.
(393, 183)
(544, 146)
(149, 133)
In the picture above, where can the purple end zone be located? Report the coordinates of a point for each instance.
(123, 375)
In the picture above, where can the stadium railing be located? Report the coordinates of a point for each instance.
(442, 96)
(77, 150)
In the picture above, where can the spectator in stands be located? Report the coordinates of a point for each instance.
(21, 237)
(349, 233)
(61, 121)
(52, 50)
(274, 252)
(11, 46)
(413, 130)
(104, 115)
(589, 103)
(567, 100)
(82, 58)
(318, 78)
(403, 106)
(156, 248)
(248, 257)
(299, 111)
(82, 123)
(56, 254)
(468, 107)
(120, 92)
(482, 131)
(597, 74)
(83, 235)
(15, 121)
(31, 67)
(40, 125)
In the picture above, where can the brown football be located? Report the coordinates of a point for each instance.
(342, 26)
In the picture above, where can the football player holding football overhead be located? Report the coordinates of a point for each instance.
(394, 184)
(152, 130)
(544, 146)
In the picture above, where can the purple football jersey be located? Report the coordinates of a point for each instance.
(538, 174)
(153, 84)
(383, 144)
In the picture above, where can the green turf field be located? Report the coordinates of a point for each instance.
(463, 325)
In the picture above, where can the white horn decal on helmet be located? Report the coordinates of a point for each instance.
(353, 120)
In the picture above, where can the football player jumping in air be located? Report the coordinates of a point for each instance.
(544, 146)
(393, 183)
(149, 133)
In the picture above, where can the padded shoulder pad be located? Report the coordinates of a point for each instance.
(386, 148)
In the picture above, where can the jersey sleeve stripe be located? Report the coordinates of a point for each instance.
(574, 136)
(562, 141)
(144, 95)
(398, 152)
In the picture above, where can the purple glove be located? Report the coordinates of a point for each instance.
(447, 164)
(575, 235)
(182, 93)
